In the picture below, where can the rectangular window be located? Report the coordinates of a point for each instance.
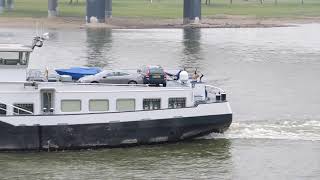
(23, 109)
(14, 58)
(9, 55)
(70, 105)
(3, 109)
(151, 104)
(177, 103)
(126, 105)
(98, 105)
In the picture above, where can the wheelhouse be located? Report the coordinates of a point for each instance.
(14, 55)
(14, 60)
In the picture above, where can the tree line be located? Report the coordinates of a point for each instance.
(208, 2)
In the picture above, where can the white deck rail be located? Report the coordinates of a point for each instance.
(19, 109)
(213, 88)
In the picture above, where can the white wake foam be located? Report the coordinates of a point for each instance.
(282, 129)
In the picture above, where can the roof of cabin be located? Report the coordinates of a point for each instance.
(14, 47)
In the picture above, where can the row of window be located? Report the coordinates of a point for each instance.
(97, 105)
(122, 104)
(100, 105)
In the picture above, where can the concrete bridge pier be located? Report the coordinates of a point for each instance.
(191, 11)
(108, 9)
(10, 5)
(52, 8)
(96, 11)
(2, 5)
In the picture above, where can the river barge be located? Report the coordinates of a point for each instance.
(60, 116)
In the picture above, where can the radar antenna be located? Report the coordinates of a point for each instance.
(38, 40)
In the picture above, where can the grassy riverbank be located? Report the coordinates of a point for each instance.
(168, 14)
(172, 9)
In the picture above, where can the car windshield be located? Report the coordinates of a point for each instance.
(123, 74)
(103, 73)
(156, 70)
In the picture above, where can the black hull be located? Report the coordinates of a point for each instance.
(117, 134)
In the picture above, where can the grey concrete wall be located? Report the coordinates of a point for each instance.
(52, 8)
(10, 5)
(96, 11)
(191, 11)
(108, 9)
(2, 5)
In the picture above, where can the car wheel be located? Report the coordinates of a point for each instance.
(132, 82)
(94, 82)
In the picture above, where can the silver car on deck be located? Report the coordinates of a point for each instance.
(114, 77)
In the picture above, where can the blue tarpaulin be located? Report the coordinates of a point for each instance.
(78, 72)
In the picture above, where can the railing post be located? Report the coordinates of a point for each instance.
(10, 5)
(2, 5)
(96, 11)
(108, 12)
(191, 11)
(52, 8)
